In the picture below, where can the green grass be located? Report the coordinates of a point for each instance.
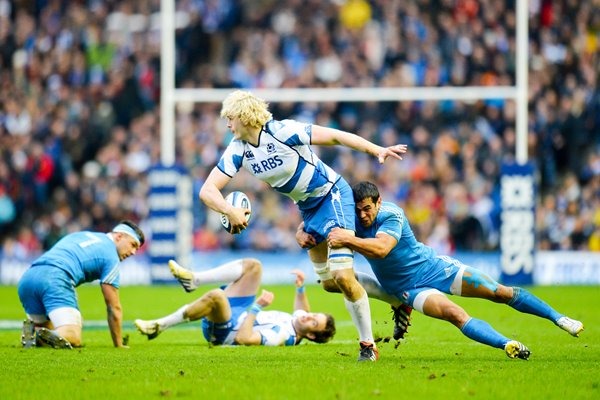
(435, 361)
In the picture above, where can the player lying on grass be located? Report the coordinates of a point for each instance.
(412, 271)
(234, 316)
(47, 289)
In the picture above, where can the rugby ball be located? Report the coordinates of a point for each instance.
(238, 200)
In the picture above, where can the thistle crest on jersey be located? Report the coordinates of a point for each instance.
(284, 160)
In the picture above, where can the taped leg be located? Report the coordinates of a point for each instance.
(341, 261)
(67, 322)
(325, 277)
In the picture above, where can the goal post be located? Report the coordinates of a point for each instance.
(170, 95)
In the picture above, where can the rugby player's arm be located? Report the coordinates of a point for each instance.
(114, 313)
(328, 136)
(322, 135)
(301, 299)
(210, 193)
(247, 336)
(377, 247)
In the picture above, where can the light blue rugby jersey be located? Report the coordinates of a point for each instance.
(399, 270)
(85, 256)
(284, 160)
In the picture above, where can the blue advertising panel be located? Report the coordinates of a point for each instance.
(170, 214)
(517, 230)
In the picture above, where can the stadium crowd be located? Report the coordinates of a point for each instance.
(79, 115)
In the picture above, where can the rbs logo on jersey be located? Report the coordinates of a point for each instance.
(267, 165)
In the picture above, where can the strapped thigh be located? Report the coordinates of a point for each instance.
(340, 258)
(421, 297)
(65, 316)
(478, 278)
(322, 270)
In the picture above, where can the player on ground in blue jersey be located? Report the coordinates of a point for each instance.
(279, 153)
(47, 288)
(234, 316)
(412, 271)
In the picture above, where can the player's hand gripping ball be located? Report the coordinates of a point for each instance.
(238, 200)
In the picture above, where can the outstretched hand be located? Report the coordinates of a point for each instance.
(299, 277)
(265, 298)
(392, 151)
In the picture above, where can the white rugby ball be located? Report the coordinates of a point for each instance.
(238, 200)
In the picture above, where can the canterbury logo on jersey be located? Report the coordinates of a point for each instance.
(249, 155)
(267, 165)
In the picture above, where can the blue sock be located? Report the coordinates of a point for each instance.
(528, 303)
(482, 332)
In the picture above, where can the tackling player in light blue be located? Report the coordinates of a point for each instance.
(279, 153)
(413, 272)
(47, 288)
(233, 315)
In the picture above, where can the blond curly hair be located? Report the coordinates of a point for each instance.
(251, 110)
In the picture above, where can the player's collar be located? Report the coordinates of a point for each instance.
(298, 338)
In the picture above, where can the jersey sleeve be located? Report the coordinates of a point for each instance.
(111, 273)
(298, 313)
(231, 160)
(292, 133)
(392, 223)
(275, 336)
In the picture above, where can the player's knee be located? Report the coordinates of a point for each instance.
(330, 286)
(455, 315)
(215, 295)
(347, 283)
(71, 333)
(75, 341)
(503, 294)
(252, 266)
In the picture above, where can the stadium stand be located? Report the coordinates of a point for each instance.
(79, 118)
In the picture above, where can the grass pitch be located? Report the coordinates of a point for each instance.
(435, 361)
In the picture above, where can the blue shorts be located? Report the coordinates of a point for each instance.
(43, 289)
(440, 275)
(216, 333)
(336, 210)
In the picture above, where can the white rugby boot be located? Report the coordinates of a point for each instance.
(572, 326)
(183, 275)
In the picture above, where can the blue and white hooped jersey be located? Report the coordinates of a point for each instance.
(284, 160)
(85, 257)
(408, 261)
(275, 327)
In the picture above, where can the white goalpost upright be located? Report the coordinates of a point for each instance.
(170, 95)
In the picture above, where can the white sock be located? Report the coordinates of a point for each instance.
(360, 311)
(375, 290)
(173, 319)
(226, 273)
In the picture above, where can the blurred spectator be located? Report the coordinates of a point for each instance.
(79, 118)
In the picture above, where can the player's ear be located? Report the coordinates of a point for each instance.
(310, 336)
